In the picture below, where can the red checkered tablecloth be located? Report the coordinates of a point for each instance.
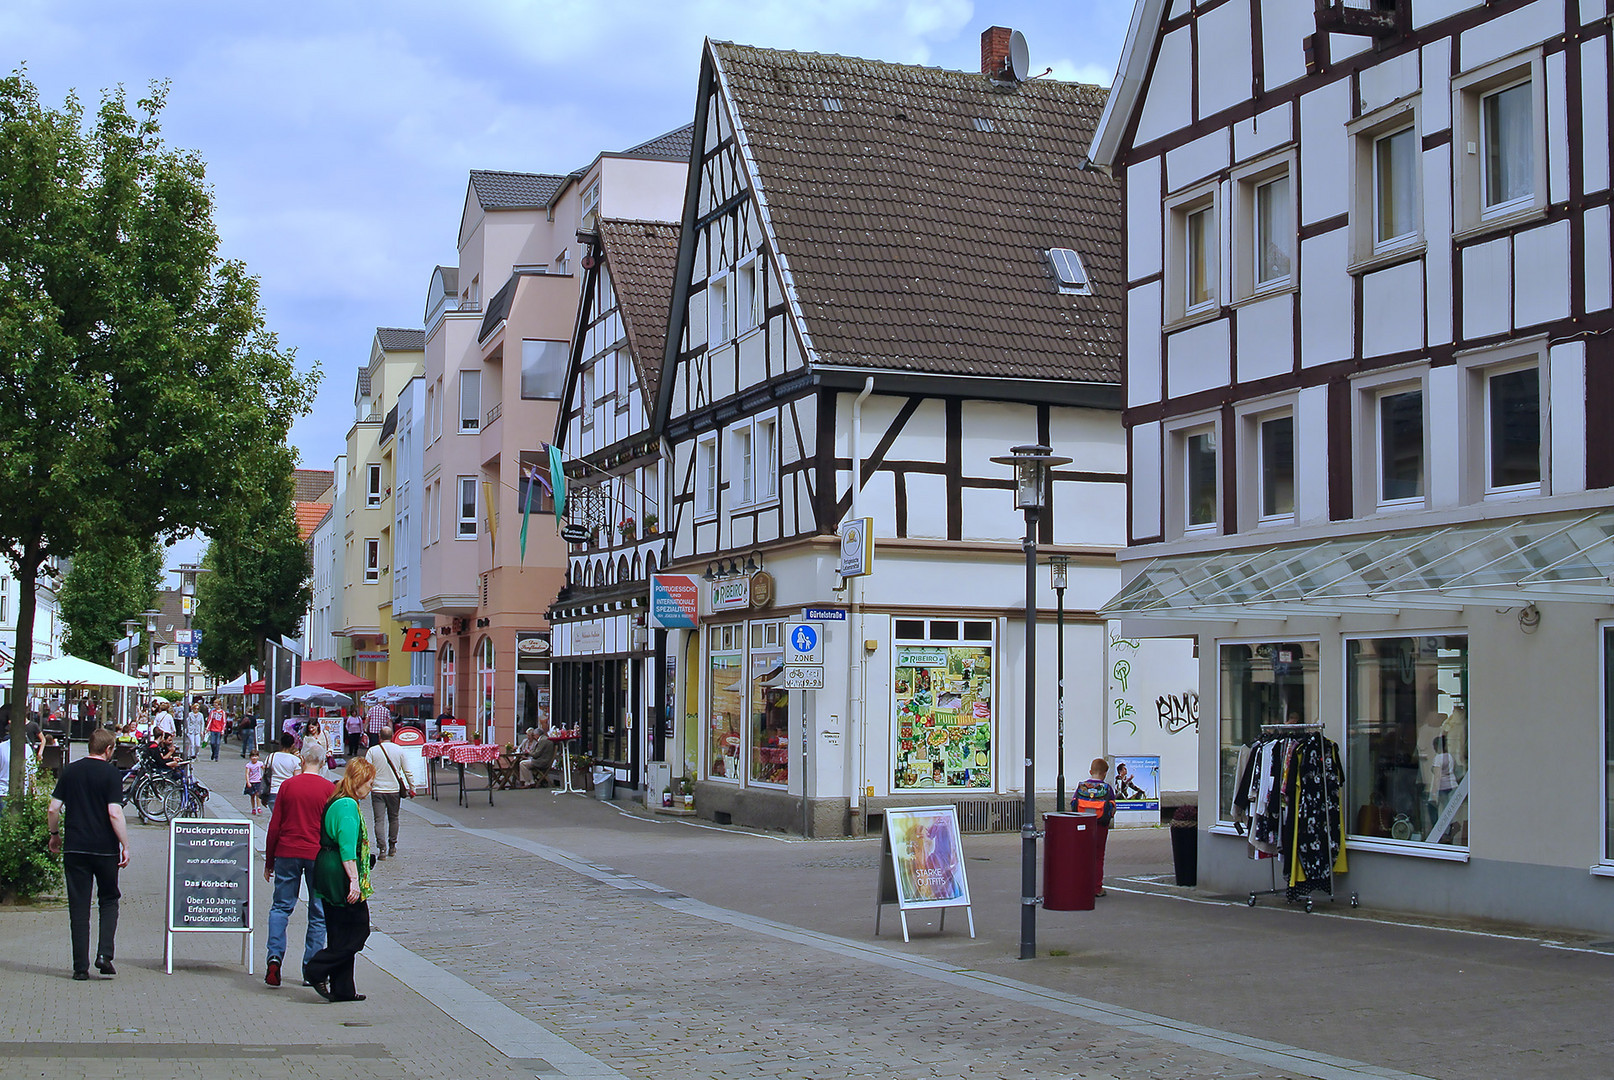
(467, 753)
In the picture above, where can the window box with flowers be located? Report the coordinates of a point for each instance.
(652, 524)
(627, 528)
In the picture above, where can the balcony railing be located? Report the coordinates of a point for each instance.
(494, 412)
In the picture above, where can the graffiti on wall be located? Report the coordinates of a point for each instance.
(1178, 712)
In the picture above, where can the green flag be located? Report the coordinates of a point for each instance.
(557, 483)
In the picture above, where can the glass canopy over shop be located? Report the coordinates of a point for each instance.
(1560, 558)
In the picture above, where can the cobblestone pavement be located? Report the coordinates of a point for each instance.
(519, 942)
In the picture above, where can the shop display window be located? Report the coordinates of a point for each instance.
(484, 690)
(769, 711)
(942, 681)
(1407, 739)
(727, 690)
(1267, 682)
(446, 704)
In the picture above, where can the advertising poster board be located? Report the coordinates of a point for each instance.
(209, 882)
(943, 703)
(922, 863)
(1137, 787)
(675, 601)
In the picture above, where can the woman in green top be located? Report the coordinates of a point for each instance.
(341, 879)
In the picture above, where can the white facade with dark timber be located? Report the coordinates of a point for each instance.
(826, 320)
(1368, 312)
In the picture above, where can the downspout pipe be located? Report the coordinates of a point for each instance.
(854, 659)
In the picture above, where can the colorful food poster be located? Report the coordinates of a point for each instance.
(723, 721)
(927, 856)
(943, 738)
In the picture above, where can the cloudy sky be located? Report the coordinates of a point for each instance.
(338, 136)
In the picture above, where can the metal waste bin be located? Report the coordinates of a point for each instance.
(605, 784)
(1070, 855)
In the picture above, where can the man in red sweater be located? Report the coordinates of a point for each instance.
(289, 853)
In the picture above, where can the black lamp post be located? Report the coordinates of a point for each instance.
(1031, 465)
(151, 615)
(130, 628)
(1057, 567)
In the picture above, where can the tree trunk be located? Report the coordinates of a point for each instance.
(22, 661)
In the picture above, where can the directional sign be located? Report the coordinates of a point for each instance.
(823, 614)
(183, 637)
(804, 643)
(804, 678)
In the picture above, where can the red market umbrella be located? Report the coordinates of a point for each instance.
(326, 673)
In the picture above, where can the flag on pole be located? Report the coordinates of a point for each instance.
(526, 509)
(557, 483)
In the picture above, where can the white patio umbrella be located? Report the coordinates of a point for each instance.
(73, 671)
(238, 685)
(401, 693)
(314, 695)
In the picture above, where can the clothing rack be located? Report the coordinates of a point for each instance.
(1306, 891)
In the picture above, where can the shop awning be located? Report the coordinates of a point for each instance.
(1562, 558)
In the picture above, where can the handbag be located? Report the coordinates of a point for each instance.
(403, 788)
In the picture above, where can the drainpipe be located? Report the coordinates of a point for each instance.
(854, 657)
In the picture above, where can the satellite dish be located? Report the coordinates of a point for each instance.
(1019, 57)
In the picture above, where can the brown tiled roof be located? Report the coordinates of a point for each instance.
(643, 257)
(310, 484)
(309, 515)
(917, 241)
(673, 146)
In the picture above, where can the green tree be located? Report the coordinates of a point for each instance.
(260, 583)
(112, 579)
(137, 377)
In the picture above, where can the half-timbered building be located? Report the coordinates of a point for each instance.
(1368, 305)
(602, 675)
(887, 275)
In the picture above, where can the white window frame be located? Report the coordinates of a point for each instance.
(1368, 392)
(372, 560)
(747, 294)
(1179, 209)
(1478, 368)
(706, 476)
(742, 459)
(1367, 251)
(1248, 180)
(765, 446)
(1177, 433)
(437, 412)
(1469, 90)
(470, 422)
(1249, 419)
(465, 528)
(719, 309)
(372, 484)
(1070, 272)
(586, 388)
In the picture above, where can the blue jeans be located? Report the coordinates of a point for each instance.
(249, 740)
(213, 740)
(289, 873)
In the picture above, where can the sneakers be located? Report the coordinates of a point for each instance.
(322, 987)
(103, 964)
(271, 973)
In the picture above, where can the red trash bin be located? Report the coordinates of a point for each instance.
(1070, 850)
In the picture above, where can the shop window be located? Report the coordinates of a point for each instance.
(726, 698)
(1608, 745)
(1261, 683)
(1407, 740)
(484, 690)
(1501, 152)
(769, 737)
(943, 691)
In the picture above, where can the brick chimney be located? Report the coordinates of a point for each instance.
(994, 51)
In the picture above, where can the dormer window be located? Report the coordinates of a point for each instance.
(1069, 272)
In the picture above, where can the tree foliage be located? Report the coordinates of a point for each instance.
(260, 584)
(112, 578)
(138, 381)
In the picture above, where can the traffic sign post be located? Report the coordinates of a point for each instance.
(804, 678)
(804, 644)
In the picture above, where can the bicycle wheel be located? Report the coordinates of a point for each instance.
(176, 802)
(151, 799)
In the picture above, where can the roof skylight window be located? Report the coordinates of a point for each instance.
(832, 104)
(983, 123)
(1069, 271)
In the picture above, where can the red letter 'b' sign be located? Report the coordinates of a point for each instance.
(417, 639)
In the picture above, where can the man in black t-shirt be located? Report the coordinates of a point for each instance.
(90, 791)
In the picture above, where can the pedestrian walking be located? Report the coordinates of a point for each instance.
(342, 882)
(289, 852)
(394, 782)
(254, 776)
(282, 765)
(376, 717)
(353, 732)
(89, 795)
(1095, 796)
(194, 722)
(215, 727)
(249, 733)
(315, 733)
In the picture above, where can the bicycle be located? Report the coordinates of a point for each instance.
(187, 797)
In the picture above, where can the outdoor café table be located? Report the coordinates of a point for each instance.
(565, 738)
(461, 754)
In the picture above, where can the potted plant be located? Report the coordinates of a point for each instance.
(627, 528)
(1185, 844)
(652, 524)
(686, 788)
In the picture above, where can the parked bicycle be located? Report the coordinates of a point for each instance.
(160, 795)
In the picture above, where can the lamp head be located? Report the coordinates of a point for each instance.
(1031, 465)
(1058, 565)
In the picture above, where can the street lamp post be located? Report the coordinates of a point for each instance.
(130, 626)
(151, 615)
(187, 602)
(1031, 466)
(1057, 567)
